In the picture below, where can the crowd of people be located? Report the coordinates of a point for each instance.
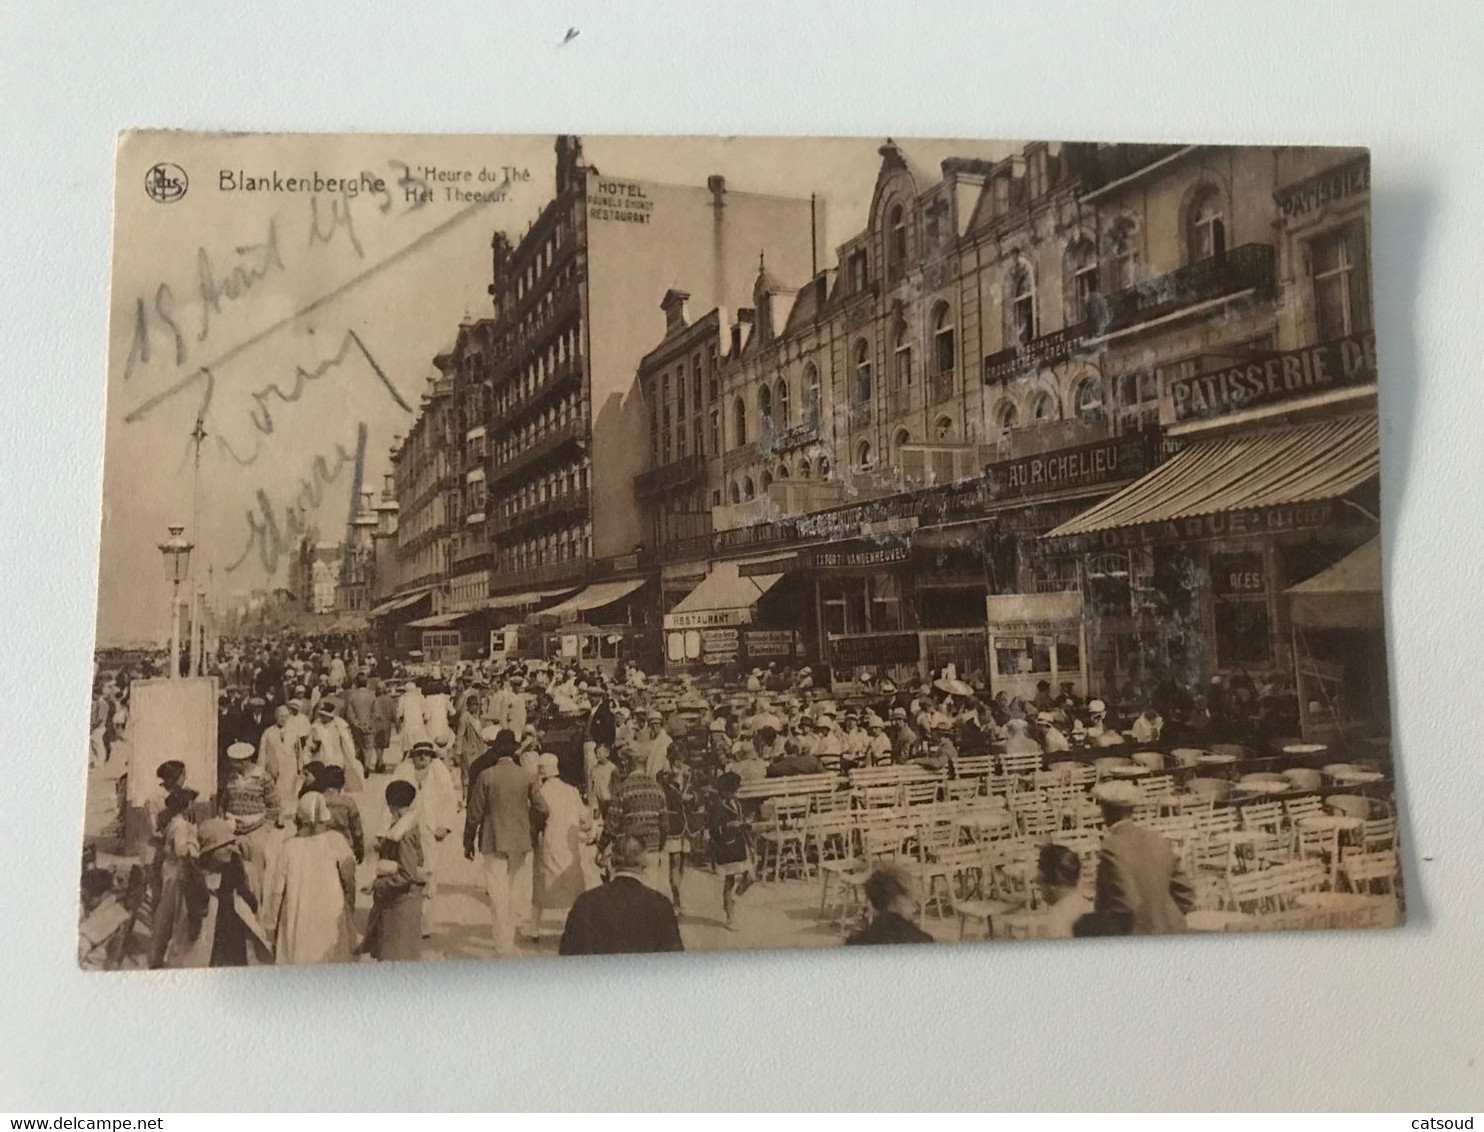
(583, 797)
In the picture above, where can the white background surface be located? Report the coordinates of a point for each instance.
(1389, 1020)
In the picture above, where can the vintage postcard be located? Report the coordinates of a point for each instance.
(554, 546)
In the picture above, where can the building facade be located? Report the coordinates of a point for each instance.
(530, 400)
(915, 445)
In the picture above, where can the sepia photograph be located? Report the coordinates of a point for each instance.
(552, 546)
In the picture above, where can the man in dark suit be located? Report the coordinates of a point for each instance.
(625, 914)
(502, 802)
(1140, 885)
(893, 899)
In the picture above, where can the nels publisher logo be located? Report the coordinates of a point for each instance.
(166, 182)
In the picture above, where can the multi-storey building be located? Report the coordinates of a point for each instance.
(542, 393)
(357, 579)
(420, 477)
(1000, 349)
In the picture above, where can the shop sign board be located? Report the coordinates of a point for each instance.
(765, 643)
(875, 648)
(1341, 364)
(707, 618)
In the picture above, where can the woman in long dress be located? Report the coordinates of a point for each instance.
(394, 930)
(311, 891)
(563, 867)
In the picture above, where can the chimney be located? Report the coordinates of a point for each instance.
(718, 186)
(677, 313)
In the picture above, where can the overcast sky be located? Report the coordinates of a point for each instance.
(305, 322)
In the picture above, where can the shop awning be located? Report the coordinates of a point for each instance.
(437, 621)
(594, 596)
(1304, 464)
(529, 597)
(1345, 596)
(391, 605)
(723, 596)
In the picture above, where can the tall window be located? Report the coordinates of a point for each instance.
(863, 372)
(856, 271)
(943, 428)
(942, 339)
(1022, 305)
(1043, 408)
(1088, 401)
(1339, 285)
(1137, 398)
(780, 402)
(897, 242)
(1082, 259)
(739, 422)
(1207, 226)
(1006, 417)
(698, 436)
(748, 490)
(863, 456)
(902, 358)
(1123, 239)
(765, 404)
(715, 437)
(902, 437)
(811, 388)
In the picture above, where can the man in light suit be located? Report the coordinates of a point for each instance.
(1140, 885)
(279, 750)
(498, 827)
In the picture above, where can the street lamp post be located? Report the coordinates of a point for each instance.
(177, 551)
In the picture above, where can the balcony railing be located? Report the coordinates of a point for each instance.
(1244, 268)
(940, 387)
(542, 448)
(669, 477)
(740, 457)
(570, 502)
(899, 403)
(566, 375)
(551, 573)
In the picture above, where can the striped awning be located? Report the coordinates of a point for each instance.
(437, 621)
(1303, 464)
(391, 605)
(595, 596)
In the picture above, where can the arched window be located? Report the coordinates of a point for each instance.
(739, 418)
(943, 428)
(804, 469)
(862, 372)
(863, 455)
(811, 391)
(1006, 417)
(1082, 272)
(896, 245)
(902, 358)
(901, 438)
(1043, 408)
(1022, 305)
(943, 352)
(765, 404)
(782, 472)
(1123, 240)
(1087, 402)
(1207, 226)
(736, 493)
(748, 490)
(824, 468)
(767, 480)
(780, 402)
